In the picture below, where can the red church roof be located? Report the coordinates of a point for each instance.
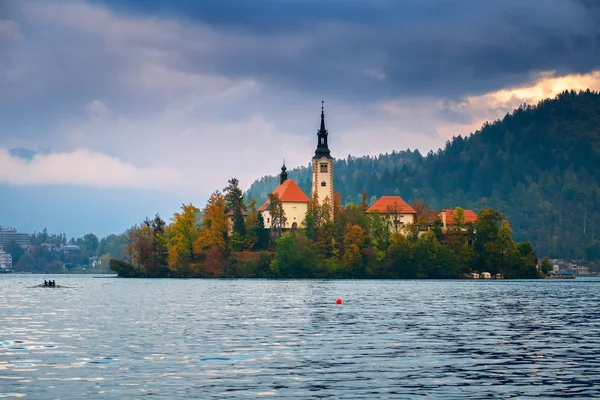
(469, 216)
(288, 192)
(391, 204)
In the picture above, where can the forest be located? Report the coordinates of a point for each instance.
(539, 166)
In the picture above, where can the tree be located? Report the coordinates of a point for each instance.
(160, 250)
(277, 214)
(459, 217)
(354, 240)
(214, 226)
(139, 249)
(400, 256)
(294, 257)
(234, 201)
(546, 267)
(183, 233)
(15, 251)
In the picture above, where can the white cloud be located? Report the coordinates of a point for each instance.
(85, 168)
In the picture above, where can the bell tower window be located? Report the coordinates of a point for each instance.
(323, 183)
(323, 168)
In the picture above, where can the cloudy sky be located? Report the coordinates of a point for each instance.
(113, 110)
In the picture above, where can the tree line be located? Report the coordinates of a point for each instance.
(44, 255)
(227, 239)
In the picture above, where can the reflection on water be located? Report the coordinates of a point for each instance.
(116, 338)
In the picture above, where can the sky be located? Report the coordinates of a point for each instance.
(114, 110)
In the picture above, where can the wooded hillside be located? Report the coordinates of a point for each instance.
(539, 166)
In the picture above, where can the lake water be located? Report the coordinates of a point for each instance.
(121, 339)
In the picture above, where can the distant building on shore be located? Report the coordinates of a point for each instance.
(576, 267)
(8, 235)
(5, 261)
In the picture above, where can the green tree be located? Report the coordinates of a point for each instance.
(294, 257)
(546, 266)
(234, 201)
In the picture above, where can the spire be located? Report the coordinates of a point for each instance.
(322, 117)
(322, 147)
(283, 175)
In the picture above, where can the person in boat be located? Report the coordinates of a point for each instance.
(45, 283)
(53, 283)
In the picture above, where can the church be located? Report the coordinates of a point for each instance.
(293, 199)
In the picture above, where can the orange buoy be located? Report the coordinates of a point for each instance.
(338, 301)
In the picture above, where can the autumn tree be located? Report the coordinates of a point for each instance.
(139, 246)
(425, 214)
(354, 240)
(214, 225)
(183, 234)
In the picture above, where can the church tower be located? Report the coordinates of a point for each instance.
(323, 167)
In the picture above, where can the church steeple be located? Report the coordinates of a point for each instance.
(283, 175)
(322, 146)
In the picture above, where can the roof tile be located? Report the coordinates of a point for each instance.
(389, 204)
(288, 192)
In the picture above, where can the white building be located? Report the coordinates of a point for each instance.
(5, 261)
(293, 199)
(8, 235)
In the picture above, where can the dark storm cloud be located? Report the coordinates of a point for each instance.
(390, 49)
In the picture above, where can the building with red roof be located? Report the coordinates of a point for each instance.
(293, 199)
(395, 210)
(448, 217)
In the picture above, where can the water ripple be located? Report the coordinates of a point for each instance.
(115, 338)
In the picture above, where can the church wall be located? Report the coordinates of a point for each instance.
(294, 212)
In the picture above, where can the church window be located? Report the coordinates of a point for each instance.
(323, 183)
(268, 220)
(294, 226)
(323, 167)
(322, 140)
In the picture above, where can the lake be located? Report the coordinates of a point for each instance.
(121, 339)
